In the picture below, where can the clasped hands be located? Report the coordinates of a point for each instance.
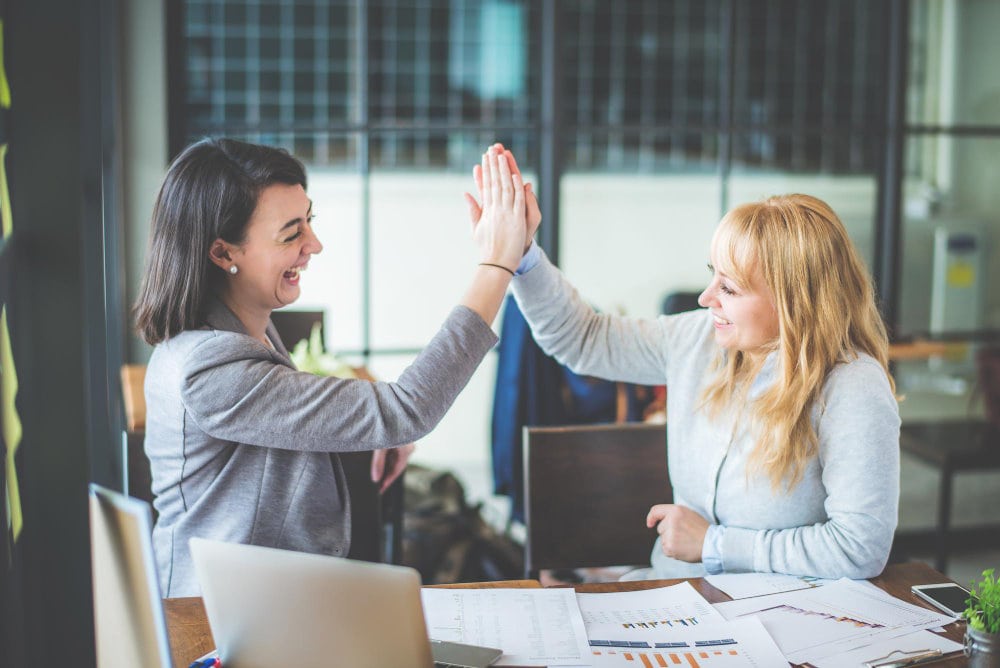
(682, 530)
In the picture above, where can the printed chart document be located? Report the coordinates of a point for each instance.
(738, 644)
(812, 624)
(746, 585)
(533, 627)
(668, 607)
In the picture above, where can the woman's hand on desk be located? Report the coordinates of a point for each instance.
(389, 463)
(682, 530)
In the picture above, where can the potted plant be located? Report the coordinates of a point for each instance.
(982, 635)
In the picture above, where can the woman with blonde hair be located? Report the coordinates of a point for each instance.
(783, 431)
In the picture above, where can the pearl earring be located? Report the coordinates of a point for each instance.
(233, 269)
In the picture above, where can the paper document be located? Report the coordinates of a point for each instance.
(812, 624)
(745, 585)
(893, 648)
(741, 643)
(668, 607)
(533, 627)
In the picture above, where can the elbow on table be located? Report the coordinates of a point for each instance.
(866, 562)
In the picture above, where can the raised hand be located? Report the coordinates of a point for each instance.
(499, 231)
(533, 216)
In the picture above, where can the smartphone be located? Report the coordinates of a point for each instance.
(948, 597)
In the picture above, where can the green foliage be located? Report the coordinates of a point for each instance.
(308, 356)
(983, 612)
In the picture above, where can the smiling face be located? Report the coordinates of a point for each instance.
(278, 244)
(743, 308)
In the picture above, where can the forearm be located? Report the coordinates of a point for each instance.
(855, 549)
(567, 328)
(234, 391)
(486, 292)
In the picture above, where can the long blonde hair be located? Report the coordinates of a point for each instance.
(827, 314)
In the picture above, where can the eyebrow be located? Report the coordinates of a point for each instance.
(296, 221)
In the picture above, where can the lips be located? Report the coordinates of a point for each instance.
(721, 321)
(293, 273)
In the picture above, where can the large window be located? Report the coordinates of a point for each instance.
(642, 121)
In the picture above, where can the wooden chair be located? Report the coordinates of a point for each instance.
(587, 492)
(139, 478)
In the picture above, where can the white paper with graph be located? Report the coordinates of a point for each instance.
(677, 606)
(740, 644)
(746, 585)
(812, 624)
(668, 625)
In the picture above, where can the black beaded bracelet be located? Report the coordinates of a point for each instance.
(498, 266)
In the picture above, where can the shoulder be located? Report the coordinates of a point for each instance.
(859, 388)
(691, 330)
(857, 374)
(195, 351)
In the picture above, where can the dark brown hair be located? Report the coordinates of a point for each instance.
(209, 193)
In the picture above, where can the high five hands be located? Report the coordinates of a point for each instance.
(486, 173)
(682, 530)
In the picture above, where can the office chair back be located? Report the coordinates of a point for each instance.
(587, 492)
(294, 326)
(679, 302)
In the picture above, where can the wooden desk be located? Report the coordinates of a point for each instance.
(190, 636)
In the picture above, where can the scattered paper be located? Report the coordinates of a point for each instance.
(533, 627)
(813, 624)
(746, 585)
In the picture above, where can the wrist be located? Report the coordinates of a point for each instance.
(497, 266)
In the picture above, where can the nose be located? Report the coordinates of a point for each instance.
(707, 298)
(312, 245)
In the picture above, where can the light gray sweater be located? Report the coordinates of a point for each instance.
(838, 521)
(241, 443)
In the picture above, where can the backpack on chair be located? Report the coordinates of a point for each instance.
(446, 539)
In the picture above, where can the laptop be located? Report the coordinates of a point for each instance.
(130, 629)
(333, 622)
(270, 607)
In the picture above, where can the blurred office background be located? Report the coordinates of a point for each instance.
(640, 122)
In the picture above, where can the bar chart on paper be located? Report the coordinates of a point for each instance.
(662, 657)
(716, 645)
(675, 607)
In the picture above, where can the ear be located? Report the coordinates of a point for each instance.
(219, 254)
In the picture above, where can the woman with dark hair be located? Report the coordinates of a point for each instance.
(242, 445)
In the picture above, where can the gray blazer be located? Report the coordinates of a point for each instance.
(242, 445)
